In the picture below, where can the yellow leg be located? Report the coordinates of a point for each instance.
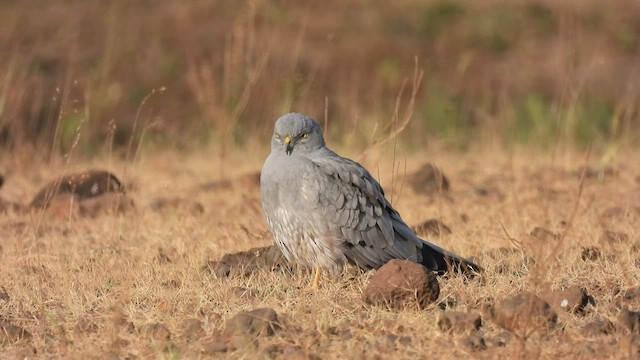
(315, 285)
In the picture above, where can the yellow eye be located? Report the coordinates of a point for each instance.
(305, 135)
(277, 136)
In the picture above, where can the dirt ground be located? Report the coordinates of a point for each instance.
(145, 281)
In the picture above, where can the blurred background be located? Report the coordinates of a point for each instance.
(98, 75)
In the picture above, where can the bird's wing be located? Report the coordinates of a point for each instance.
(353, 203)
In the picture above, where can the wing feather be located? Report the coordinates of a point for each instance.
(354, 204)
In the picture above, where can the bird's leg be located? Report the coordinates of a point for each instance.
(315, 285)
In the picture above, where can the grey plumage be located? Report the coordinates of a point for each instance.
(324, 210)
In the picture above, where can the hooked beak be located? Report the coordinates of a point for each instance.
(287, 141)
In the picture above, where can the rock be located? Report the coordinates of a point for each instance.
(215, 345)
(543, 234)
(258, 322)
(10, 333)
(164, 204)
(82, 185)
(217, 268)
(458, 322)
(402, 283)
(432, 227)
(500, 339)
(629, 320)
(573, 299)
(523, 314)
(242, 330)
(244, 263)
(598, 327)
(64, 206)
(4, 295)
(428, 180)
(192, 329)
(629, 294)
(474, 342)
(590, 254)
(109, 203)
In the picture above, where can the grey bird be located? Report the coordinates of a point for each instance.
(325, 210)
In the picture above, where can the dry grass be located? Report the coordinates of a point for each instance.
(74, 283)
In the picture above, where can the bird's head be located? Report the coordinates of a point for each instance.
(296, 132)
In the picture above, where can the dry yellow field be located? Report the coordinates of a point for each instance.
(131, 285)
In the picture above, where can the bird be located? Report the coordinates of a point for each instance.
(324, 210)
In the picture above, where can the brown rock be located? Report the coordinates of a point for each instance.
(428, 180)
(241, 341)
(164, 204)
(10, 333)
(500, 339)
(573, 299)
(244, 263)
(242, 331)
(4, 295)
(598, 327)
(458, 322)
(109, 203)
(432, 227)
(65, 205)
(215, 345)
(629, 320)
(474, 342)
(401, 283)
(258, 322)
(629, 294)
(590, 253)
(82, 185)
(523, 314)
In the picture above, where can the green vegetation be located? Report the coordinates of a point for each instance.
(536, 72)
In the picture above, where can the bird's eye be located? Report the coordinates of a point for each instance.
(305, 135)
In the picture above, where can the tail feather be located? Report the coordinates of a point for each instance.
(442, 261)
